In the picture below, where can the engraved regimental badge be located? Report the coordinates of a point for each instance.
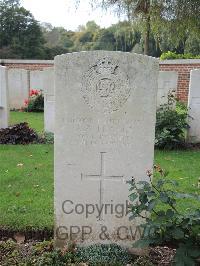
(105, 86)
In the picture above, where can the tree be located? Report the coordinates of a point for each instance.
(126, 36)
(105, 40)
(20, 33)
(157, 13)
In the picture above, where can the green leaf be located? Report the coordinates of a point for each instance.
(195, 253)
(142, 243)
(164, 197)
(170, 213)
(133, 196)
(178, 233)
(151, 205)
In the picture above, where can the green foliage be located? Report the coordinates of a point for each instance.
(47, 138)
(153, 27)
(172, 55)
(20, 33)
(103, 255)
(142, 261)
(9, 253)
(35, 120)
(156, 203)
(44, 254)
(35, 103)
(171, 123)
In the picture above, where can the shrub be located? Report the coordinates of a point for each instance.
(172, 55)
(164, 224)
(9, 253)
(44, 254)
(47, 138)
(171, 125)
(35, 103)
(103, 255)
(18, 134)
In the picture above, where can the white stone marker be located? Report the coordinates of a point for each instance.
(194, 106)
(104, 136)
(167, 83)
(49, 99)
(36, 80)
(4, 109)
(18, 87)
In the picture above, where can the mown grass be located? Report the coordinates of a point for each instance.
(184, 167)
(26, 179)
(26, 190)
(35, 120)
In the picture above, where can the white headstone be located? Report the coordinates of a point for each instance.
(194, 106)
(104, 135)
(18, 87)
(49, 99)
(36, 80)
(4, 109)
(167, 84)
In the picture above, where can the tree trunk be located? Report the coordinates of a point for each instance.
(147, 35)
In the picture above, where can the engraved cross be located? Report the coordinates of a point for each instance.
(101, 178)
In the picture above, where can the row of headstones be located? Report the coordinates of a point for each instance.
(19, 81)
(16, 82)
(105, 114)
(167, 85)
(15, 85)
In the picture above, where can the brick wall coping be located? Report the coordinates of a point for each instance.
(180, 62)
(164, 62)
(20, 61)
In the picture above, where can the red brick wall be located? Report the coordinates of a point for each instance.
(183, 77)
(183, 68)
(29, 66)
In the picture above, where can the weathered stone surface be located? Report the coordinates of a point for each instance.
(49, 99)
(167, 83)
(36, 80)
(194, 106)
(4, 109)
(18, 87)
(104, 135)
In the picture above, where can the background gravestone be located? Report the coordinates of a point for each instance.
(4, 109)
(49, 99)
(167, 83)
(36, 80)
(18, 87)
(194, 106)
(104, 135)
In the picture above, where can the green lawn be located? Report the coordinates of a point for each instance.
(35, 120)
(26, 190)
(26, 178)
